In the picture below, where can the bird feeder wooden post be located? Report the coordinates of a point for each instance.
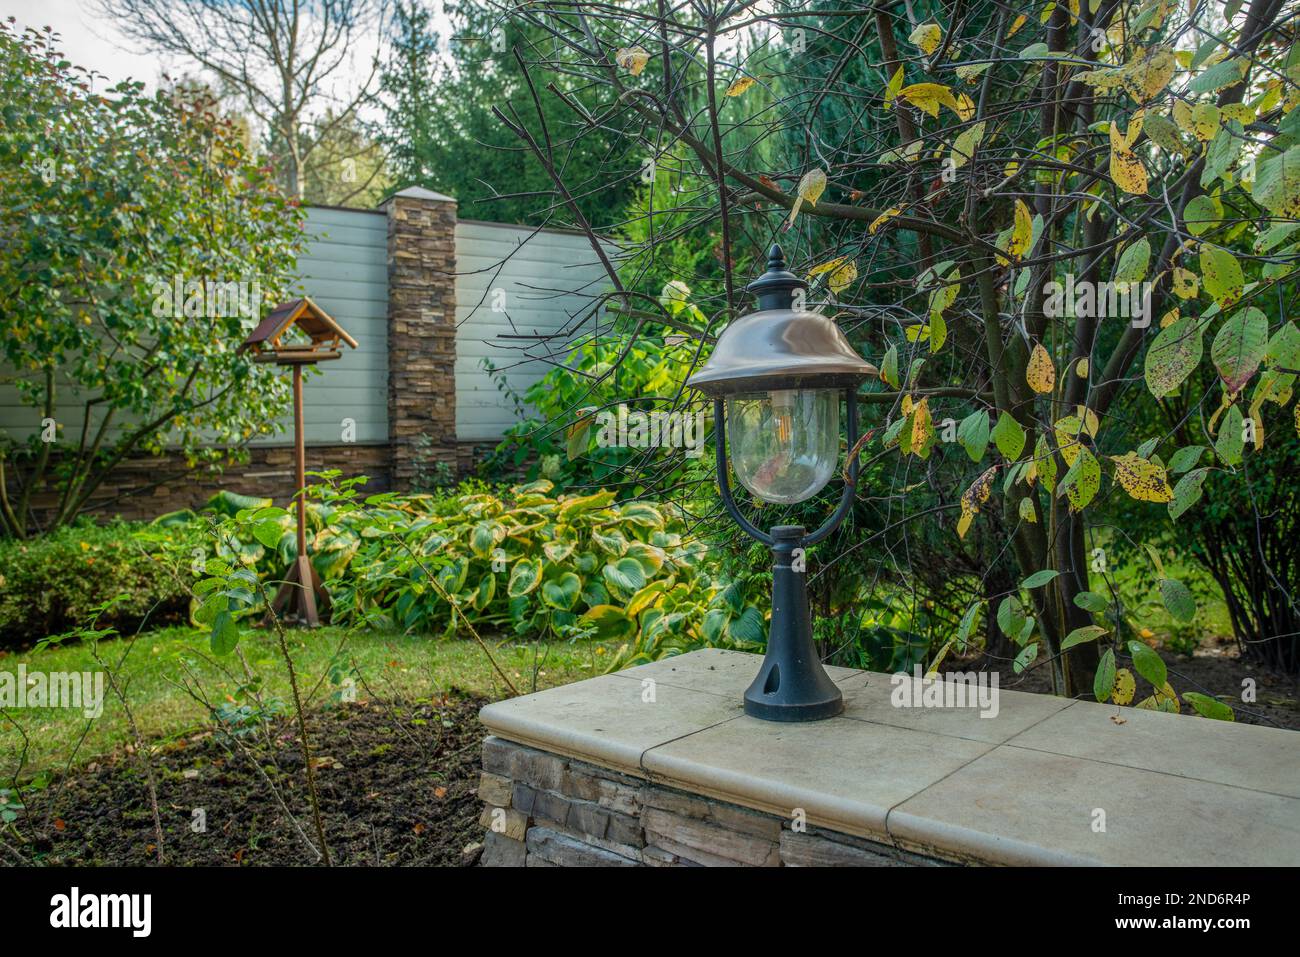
(301, 597)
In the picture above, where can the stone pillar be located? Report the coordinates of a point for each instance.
(421, 329)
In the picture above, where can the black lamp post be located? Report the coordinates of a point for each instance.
(776, 377)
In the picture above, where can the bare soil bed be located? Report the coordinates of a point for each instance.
(397, 787)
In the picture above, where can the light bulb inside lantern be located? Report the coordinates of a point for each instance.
(784, 444)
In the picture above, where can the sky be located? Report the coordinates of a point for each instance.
(87, 40)
(96, 43)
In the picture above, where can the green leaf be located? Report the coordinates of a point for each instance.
(1039, 578)
(1011, 616)
(625, 575)
(1026, 658)
(1178, 600)
(1173, 355)
(1230, 442)
(1009, 437)
(1187, 492)
(1081, 635)
(1209, 707)
(1221, 275)
(1103, 682)
(973, 434)
(1203, 214)
(1239, 347)
(524, 577)
(1277, 182)
(1082, 481)
(1222, 153)
(610, 623)
(225, 634)
(563, 592)
(749, 628)
(1091, 601)
(1185, 458)
(889, 367)
(1133, 262)
(1148, 664)
(967, 624)
(1046, 462)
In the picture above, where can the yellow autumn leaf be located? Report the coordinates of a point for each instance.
(927, 37)
(811, 186)
(973, 498)
(1016, 25)
(842, 271)
(740, 86)
(1169, 318)
(1022, 233)
(1103, 80)
(1205, 121)
(1185, 283)
(1081, 368)
(928, 97)
(1040, 373)
(1125, 685)
(1143, 479)
(883, 218)
(1148, 75)
(1027, 511)
(1125, 168)
(632, 59)
(1243, 113)
(922, 429)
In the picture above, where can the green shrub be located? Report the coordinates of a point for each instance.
(577, 566)
(49, 585)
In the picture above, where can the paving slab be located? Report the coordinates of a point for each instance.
(606, 720)
(1017, 806)
(1242, 755)
(714, 671)
(876, 698)
(844, 774)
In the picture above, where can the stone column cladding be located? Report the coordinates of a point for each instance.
(421, 329)
(544, 810)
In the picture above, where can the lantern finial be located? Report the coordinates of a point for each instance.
(775, 288)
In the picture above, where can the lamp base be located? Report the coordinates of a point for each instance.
(764, 708)
(791, 685)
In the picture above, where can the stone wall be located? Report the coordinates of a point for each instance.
(146, 487)
(544, 810)
(421, 329)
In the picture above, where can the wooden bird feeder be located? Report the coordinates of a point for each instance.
(277, 339)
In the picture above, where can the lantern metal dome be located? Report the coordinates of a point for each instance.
(779, 347)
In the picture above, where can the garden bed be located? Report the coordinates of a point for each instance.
(397, 786)
(1215, 669)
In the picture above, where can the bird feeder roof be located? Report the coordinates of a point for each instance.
(320, 327)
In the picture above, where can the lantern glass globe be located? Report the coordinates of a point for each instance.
(784, 444)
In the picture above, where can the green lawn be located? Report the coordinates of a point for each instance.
(383, 665)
